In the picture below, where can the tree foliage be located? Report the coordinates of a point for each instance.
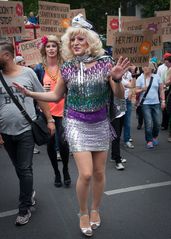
(97, 10)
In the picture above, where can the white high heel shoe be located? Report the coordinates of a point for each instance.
(95, 224)
(87, 231)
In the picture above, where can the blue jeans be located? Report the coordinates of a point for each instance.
(20, 150)
(127, 121)
(152, 121)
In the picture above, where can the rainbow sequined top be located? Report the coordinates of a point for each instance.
(87, 89)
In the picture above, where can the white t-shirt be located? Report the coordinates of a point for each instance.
(161, 70)
(126, 78)
(152, 96)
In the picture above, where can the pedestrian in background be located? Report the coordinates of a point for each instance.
(151, 106)
(48, 74)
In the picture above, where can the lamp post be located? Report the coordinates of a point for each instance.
(119, 14)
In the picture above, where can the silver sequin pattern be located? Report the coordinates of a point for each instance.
(84, 136)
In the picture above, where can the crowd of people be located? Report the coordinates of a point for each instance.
(87, 99)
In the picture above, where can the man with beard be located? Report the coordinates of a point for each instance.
(15, 130)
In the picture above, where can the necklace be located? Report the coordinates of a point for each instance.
(53, 77)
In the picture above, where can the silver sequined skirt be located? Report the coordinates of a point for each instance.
(83, 136)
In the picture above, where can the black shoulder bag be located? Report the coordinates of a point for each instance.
(139, 108)
(40, 131)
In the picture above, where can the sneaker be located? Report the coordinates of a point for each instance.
(33, 201)
(150, 145)
(169, 139)
(58, 156)
(23, 219)
(119, 166)
(36, 151)
(155, 141)
(129, 145)
(130, 140)
(123, 160)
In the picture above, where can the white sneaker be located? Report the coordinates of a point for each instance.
(119, 166)
(123, 160)
(58, 156)
(33, 201)
(169, 139)
(129, 145)
(130, 140)
(36, 151)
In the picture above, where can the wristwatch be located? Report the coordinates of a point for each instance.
(51, 121)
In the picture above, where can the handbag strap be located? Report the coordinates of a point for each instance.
(148, 88)
(20, 107)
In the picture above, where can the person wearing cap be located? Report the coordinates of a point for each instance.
(163, 68)
(19, 60)
(87, 77)
(151, 106)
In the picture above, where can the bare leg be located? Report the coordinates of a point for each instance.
(98, 183)
(99, 162)
(85, 169)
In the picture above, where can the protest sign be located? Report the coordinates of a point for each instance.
(152, 24)
(54, 18)
(113, 26)
(165, 24)
(75, 12)
(136, 47)
(30, 50)
(11, 19)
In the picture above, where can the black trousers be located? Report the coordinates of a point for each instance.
(117, 124)
(20, 150)
(62, 144)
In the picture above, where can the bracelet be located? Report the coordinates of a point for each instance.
(51, 121)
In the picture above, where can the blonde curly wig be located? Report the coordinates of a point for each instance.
(94, 43)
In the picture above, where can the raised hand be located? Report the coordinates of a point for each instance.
(22, 89)
(120, 68)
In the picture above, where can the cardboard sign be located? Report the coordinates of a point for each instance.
(136, 47)
(75, 12)
(113, 26)
(166, 24)
(30, 51)
(54, 18)
(152, 24)
(11, 19)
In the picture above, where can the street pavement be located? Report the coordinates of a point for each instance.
(136, 203)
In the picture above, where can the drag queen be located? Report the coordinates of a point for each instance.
(87, 76)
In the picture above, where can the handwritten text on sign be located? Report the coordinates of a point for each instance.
(11, 19)
(30, 51)
(136, 47)
(54, 18)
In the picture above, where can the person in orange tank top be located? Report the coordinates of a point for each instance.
(48, 73)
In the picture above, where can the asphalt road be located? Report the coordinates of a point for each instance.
(136, 203)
